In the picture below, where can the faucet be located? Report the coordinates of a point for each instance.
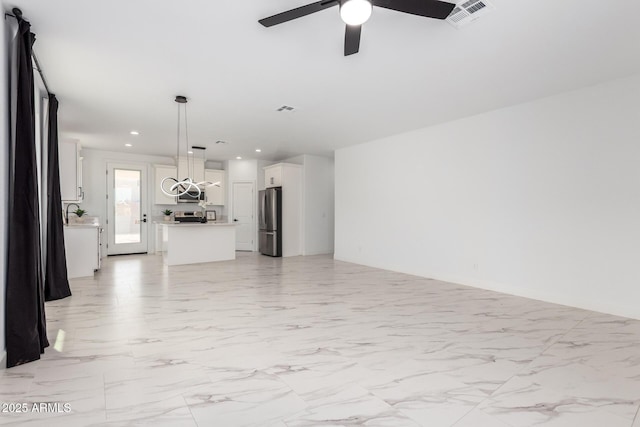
(66, 215)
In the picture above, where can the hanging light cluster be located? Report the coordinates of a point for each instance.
(178, 187)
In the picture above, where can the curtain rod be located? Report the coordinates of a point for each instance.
(17, 14)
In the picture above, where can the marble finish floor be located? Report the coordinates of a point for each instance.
(308, 341)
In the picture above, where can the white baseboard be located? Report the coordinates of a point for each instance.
(632, 310)
(570, 301)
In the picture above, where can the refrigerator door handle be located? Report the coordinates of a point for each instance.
(263, 219)
(272, 208)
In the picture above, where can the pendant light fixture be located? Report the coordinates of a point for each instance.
(178, 187)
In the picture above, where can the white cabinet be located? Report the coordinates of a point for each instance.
(160, 173)
(70, 172)
(82, 249)
(273, 176)
(289, 177)
(193, 165)
(158, 237)
(215, 195)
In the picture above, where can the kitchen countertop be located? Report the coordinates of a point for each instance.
(81, 225)
(193, 224)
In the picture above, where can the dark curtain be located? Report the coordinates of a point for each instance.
(26, 336)
(56, 282)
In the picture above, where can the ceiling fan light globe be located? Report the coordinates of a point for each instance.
(355, 12)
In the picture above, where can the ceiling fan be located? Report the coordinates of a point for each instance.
(356, 12)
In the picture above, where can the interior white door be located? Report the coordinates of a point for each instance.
(243, 205)
(126, 209)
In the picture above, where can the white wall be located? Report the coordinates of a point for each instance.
(242, 170)
(540, 200)
(212, 164)
(318, 203)
(296, 160)
(4, 167)
(318, 208)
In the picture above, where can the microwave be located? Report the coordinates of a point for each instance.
(191, 197)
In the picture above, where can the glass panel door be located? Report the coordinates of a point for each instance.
(126, 205)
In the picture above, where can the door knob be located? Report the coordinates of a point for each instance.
(235, 220)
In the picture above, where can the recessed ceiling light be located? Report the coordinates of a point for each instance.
(258, 150)
(189, 152)
(134, 132)
(238, 158)
(128, 145)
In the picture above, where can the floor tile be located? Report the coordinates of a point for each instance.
(308, 341)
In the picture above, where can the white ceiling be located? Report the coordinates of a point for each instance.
(116, 66)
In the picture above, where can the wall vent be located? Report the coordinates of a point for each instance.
(468, 11)
(285, 108)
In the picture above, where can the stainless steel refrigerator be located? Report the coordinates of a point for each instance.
(270, 219)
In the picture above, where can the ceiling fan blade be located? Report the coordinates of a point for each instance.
(429, 8)
(352, 39)
(297, 12)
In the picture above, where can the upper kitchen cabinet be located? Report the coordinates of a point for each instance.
(215, 195)
(282, 175)
(273, 176)
(70, 172)
(191, 167)
(160, 173)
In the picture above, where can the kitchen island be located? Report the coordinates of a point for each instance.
(193, 243)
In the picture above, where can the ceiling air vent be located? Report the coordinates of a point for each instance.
(285, 108)
(468, 11)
